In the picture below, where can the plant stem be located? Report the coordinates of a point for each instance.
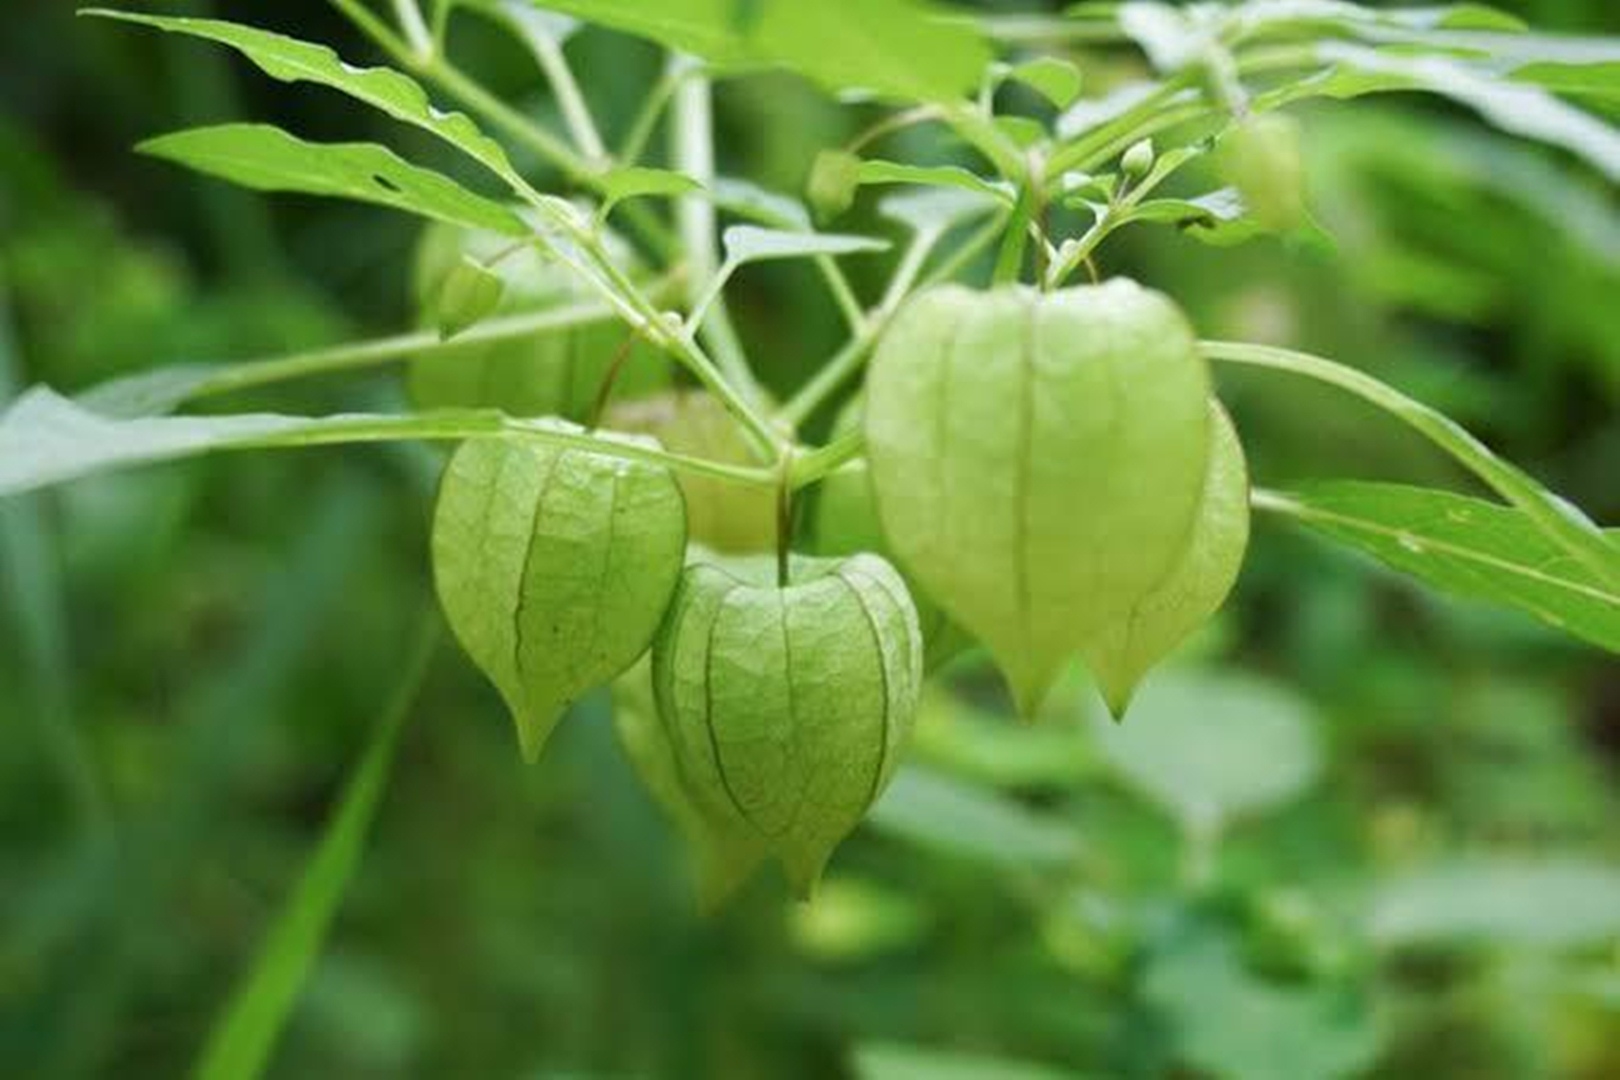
(438, 70)
(604, 393)
(646, 121)
(843, 295)
(692, 148)
(410, 20)
(868, 328)
(459, 425)
(848, 360)
(369, 353)
(1559, 520)
(784, 519)
(570, 101)
(813, 466)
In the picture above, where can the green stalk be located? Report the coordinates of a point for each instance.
(692, 149)
(359, 355)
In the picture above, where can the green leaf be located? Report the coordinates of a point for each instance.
(1226, 1021)
(637, 181)
(291, 60)
(935, 811)
(1499, 902)
(265, 158)
(1559, 520)
(1037, 458)
(1055, 79)
(240, 1044)
(470, 292)
(899, 48)
(48, 439)
(895, 1061)
(1219, 218)
(1518, 108)
(1209, 749)
(894, 172)
(749, 243)
(931, 211)
(725, 855)
(788, 705)
(1464, 546)
(748, 200)
(1205, 571)
(554, 568)
(1272, 15)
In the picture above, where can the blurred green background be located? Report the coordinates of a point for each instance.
(1355, 830)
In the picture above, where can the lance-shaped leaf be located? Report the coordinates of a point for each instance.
(554, 567)
(1516, 107)
(749, 243)
(1464, 546)
(788, 706)
(901, 48)
(48, 439)
(639, 181)
(265, 158)
(1038, 459)
(291, 60)
(1057, 80)
(1196, 586)
(725, 854)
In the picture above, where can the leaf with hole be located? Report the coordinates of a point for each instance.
(291, 60)
(265, 158)
(554, 567)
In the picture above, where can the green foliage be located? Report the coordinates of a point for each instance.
(1464, 546)
(892, 47)
(1189, 747)
(554, 568)
(241, 1041)
(1341, 833)
(265, 158)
